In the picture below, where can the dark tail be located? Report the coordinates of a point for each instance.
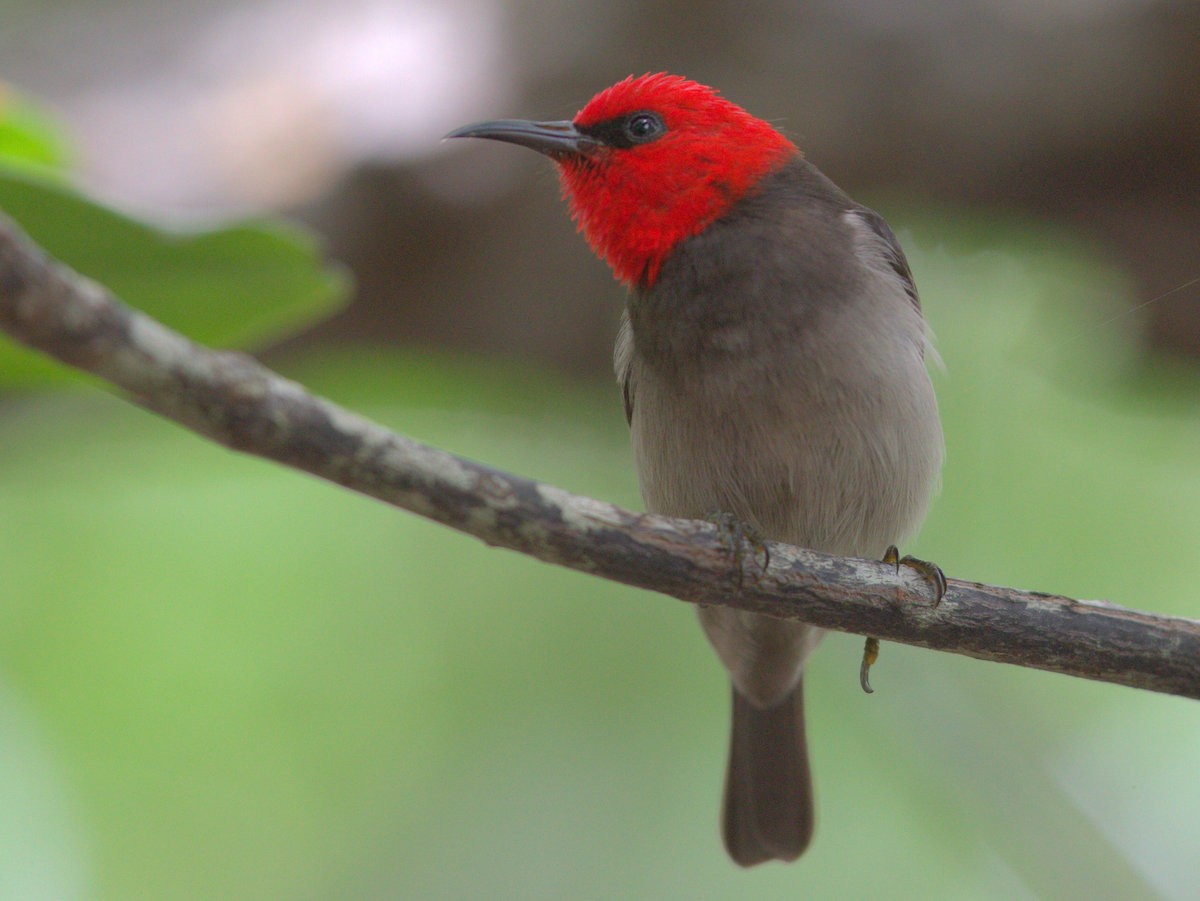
(768, 790)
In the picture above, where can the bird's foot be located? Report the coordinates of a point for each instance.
(931, 571)
(870, 655)
(737, 535)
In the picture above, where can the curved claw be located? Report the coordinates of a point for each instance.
(870, 655)
(931, 571)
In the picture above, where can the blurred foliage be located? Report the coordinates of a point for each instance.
(29, 139)
(221, 679)
(232, 286)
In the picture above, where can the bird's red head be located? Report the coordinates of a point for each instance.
(648, 162)
(675, 156)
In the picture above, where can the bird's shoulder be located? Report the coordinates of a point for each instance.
(878, 248)
(799, 201)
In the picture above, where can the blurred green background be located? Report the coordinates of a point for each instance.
(223, 679)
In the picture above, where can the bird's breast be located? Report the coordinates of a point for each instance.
(812, 446)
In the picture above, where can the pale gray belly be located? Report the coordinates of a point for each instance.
(844, 475)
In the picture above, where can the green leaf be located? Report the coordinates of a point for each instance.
(29, 139)
(232, 287)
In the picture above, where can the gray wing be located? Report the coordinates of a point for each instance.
(878, 246)
(623, 364)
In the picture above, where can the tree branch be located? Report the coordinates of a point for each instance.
(237, 402)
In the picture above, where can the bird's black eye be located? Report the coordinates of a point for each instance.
(623, 132)
(642, 128)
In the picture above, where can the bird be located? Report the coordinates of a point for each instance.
(771, 357)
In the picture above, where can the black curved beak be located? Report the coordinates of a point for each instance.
(555, 139)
